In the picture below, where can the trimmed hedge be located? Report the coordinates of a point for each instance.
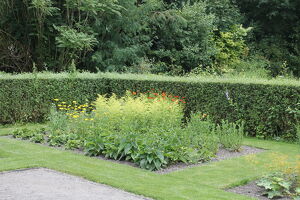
(262, 104)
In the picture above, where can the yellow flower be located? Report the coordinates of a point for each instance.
(75, 116)
(55, 99)
(74, 101)
(63, 102)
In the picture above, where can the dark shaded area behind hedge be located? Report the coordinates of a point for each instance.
(264, 107)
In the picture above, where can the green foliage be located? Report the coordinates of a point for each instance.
(226, 12)
(298, 133)
(36, 136)
(143, 128)
(39, 23)
(73, 144)
(231, 47)
(73, 42)
(146, 130)
(261, 104)
(57, 138)
(231, 135)
(23, 133)
(171, 37)
(276, 31)
(183, 38)
(279, 185)
(253, 67)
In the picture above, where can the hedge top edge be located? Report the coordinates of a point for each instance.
(151, 77)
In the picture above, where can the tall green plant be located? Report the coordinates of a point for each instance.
(231, 135)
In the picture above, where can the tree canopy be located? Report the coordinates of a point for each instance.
(150, 36)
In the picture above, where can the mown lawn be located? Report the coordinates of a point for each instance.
(202, 182)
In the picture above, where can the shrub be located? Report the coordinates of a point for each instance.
(261, 104)
(230, 135)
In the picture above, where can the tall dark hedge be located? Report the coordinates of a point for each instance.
(264, 106)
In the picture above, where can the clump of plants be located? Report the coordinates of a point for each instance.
(231, 135)
(144, 128)
(37, 136)
(147, 129)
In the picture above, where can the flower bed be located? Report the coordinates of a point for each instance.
(146, 129)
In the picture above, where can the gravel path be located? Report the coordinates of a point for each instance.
(46, 184)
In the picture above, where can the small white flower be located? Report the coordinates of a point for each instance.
(227, 95)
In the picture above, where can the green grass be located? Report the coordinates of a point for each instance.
(202, 182)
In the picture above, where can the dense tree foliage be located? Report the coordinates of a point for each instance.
(150, 36)
(277, 31)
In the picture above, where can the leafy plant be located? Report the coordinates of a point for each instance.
(57, 138)
(35, 135)
(24, 133)
(37, 138)
(231, 135)
(73, 144)
(93, 146)
(279, 185)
